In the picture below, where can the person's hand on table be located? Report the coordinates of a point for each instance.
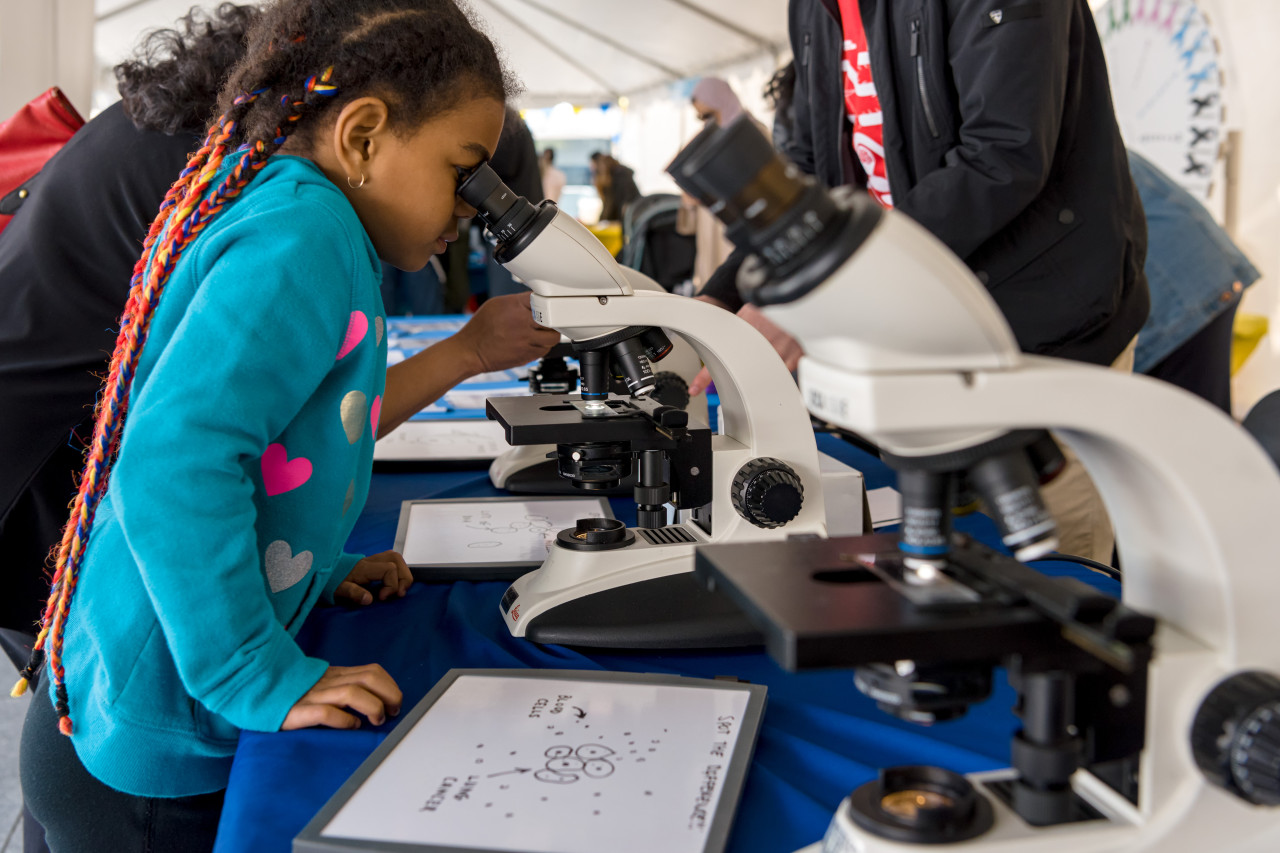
(502, 334)
(787, 347)
(367, 690)
(388, 567)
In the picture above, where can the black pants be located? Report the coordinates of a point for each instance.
(1202, 364)
(81, 815)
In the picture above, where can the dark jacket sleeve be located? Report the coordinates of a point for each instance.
(723, 284)
(1011, 79)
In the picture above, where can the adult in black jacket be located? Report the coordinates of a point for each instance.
(65, 263)
(999, 136)
(1001, 139)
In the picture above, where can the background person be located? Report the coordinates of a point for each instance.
(553, 179)
(1197, 276)
(615, 183)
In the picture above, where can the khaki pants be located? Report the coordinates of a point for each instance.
(1084, 529)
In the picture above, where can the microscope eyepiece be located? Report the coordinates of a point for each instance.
(797, 230)
(512, 219)
(687, 154)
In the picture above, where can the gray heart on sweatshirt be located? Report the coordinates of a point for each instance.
(379, 329)
(353, 410)
(283, 568)
(351, 496)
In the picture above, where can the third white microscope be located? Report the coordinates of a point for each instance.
(1148, 724)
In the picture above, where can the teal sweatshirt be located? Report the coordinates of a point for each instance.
(244, 463)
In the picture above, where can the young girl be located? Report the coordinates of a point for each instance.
(252, 412)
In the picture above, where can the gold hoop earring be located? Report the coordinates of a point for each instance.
(356, 186)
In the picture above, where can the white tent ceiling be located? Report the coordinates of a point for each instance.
(581, 51)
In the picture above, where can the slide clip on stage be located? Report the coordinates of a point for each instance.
(1151, 724)
(757, 480)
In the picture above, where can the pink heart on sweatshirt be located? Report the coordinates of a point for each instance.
(375, 412)
(281, 474)
(356, 330)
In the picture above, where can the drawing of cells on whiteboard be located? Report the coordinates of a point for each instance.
(555, 765)
(565, 764)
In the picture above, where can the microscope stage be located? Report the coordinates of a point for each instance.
(555, 419)
(842, 603)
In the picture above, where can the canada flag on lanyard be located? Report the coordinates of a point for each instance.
(862, 105)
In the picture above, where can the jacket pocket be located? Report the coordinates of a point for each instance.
(1024, 241)
(921, 80)
(153, 695)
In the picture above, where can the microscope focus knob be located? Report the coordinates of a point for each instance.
(1236, 736)
(767, 492)
(670, 389)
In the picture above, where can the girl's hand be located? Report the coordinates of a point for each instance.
(502, 334)
(388, 567)
(367, 690)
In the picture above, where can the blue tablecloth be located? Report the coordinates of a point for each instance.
(820, 737)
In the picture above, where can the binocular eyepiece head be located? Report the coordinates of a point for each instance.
(799, 231)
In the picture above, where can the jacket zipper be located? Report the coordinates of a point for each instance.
(804, 60)
(924, 91)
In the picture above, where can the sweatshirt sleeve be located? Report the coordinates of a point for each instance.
(258, 337)
(345, 564)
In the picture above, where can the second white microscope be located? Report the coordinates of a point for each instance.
(756, 479)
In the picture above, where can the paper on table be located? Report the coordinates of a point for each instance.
(554, 765)
(443, 440)
(885, 504)
(463, 397)
(493, 531)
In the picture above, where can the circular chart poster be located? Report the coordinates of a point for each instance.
(1164, 61)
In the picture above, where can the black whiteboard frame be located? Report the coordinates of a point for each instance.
(310, 840)
(479, 571)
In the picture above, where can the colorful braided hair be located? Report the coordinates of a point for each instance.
(422, 57)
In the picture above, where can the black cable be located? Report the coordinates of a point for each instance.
(851, 437)
(1101, 568)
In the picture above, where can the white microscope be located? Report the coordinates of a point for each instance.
(1148, 725)
(757, 479)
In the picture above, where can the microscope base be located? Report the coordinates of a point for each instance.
(641, 595)
(672, 612)
(1116, 828)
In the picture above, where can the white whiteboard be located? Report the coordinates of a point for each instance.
(499, 531)
(555, 765)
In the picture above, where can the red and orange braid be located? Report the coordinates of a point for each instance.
(183, 214)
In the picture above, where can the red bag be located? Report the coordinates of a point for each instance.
(28, 140)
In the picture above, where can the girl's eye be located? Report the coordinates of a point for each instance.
(464, 172)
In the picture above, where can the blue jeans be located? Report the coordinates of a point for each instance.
(1194, 272)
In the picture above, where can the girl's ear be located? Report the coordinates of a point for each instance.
(358, 135)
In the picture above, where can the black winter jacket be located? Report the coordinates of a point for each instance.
(1001, 139)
